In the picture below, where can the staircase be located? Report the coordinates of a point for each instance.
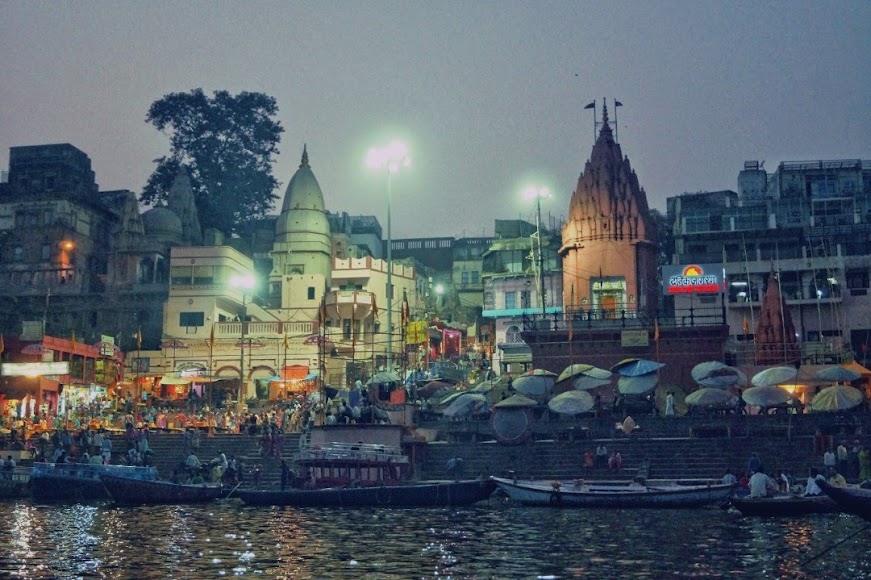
(168, 453)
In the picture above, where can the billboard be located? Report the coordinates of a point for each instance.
(35, 369)
(692, 279)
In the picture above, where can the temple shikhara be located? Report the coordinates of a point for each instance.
(609, 241)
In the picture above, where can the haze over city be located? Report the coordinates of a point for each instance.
(489, 96)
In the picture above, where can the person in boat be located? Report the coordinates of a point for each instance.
(836, 479)
(106, 450)
(761, 484)
(8, 467)
(192, 464)
(811, 489)
(730, 479)
(287, 474)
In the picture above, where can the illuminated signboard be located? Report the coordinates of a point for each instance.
(692, 279)
(35, 369)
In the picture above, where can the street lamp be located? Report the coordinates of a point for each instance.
(537, 193)
(242, 283)
(390, 157)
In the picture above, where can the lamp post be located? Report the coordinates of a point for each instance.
(537, 193)
(242, 283)
(390, 157)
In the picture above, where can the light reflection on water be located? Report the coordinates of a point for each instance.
(489, 541)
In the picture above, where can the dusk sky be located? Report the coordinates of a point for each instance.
(488, 95)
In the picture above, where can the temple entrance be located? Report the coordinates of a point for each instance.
(609, 296)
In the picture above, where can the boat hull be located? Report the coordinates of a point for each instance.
(13, 489)
(134, 491)
(543, 493)
(784, 506)
(424, 494)
(852, 499)
(78, 481)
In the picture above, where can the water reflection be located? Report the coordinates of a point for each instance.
(229, 539)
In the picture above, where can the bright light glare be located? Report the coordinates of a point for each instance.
(390, 157)
(246, 282)
(439, 289)
(533, 191)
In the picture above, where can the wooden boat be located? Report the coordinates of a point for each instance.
(410, 494)
(785, 505)
(623, 495)
(130, 490)
(855, 500)
(15, 486)
(79, 481)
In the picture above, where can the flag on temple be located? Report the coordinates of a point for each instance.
(374, 307)
(591, 105)
(73, 339)
(617, 104)
(212, 337)
(656, 330)
(322, 313)
(2, 344)
(406, 311)
(138, 339)
(286, 342)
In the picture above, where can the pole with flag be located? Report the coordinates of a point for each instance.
(210, 384)
(616, 104)
(593, 106)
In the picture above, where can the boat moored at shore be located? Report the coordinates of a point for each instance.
(79, 481)
(581, 494)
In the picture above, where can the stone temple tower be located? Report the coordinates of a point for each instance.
(609, 239)
(302, 251)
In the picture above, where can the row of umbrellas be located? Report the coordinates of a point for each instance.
(639, 377)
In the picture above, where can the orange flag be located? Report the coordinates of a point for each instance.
(73, 339)
(2, 344)
(656, 330)
(139, 338)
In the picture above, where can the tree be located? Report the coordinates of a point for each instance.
(227, 144)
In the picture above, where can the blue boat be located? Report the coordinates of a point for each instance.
(79, 481)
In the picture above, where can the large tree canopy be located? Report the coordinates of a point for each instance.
(227, 144)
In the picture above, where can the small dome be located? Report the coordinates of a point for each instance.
(161, 222)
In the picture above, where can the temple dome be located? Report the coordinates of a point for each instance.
(303, 209)
(162, 223)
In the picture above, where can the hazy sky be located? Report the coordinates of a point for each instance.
(489, 95)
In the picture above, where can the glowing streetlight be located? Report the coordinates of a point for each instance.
(537, 193)
(245, 284)
(391, 157)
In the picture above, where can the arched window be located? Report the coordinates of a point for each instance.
(512, 334)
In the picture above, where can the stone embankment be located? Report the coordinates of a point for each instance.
(664, 448)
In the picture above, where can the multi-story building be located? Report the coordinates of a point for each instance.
(810, 223)
(513, 288)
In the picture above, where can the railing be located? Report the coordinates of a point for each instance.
(624, 318)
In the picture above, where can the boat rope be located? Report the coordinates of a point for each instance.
(835, 545)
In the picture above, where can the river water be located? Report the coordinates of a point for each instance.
(491, 540)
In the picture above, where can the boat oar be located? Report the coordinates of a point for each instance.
(232, 490)
(835, 545)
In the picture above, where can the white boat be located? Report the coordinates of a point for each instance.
(578, 493)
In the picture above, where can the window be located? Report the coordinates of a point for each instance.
(525, 299)
(311, 292)
(18, 254)
(180, 274)
(346, 328)
(475, 277)
(510, 300)
(191, 318)
(46, 251)
(203, 275)
(275, 289)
